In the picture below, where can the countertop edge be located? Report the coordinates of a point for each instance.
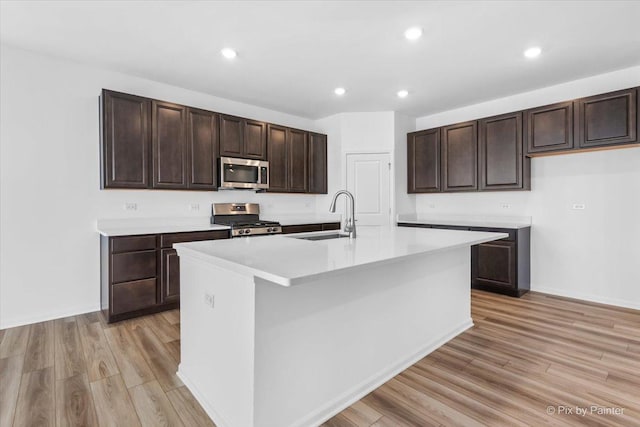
(294, 281)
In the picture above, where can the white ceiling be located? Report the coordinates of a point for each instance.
(291, 55)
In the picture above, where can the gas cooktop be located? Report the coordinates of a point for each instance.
(243, 218)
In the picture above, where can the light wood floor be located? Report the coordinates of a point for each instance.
(522, 357)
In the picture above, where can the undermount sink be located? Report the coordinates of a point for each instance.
(322, 236)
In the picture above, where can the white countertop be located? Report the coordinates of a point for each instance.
(289, 261)
(137, 226)
(492, 221)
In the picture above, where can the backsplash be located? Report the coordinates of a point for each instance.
(160, 204)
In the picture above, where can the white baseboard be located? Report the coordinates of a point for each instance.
(51, 315)
(588, 297)
(348, 398)
(217, 419)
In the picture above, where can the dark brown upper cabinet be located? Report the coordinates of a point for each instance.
(125, 141)
(317, 163)
(549, 128)
(297, 147)
(278, 159)
(423, 157)
(460, 157)
(502, 163)
(202, 137)
(243, 138)
(152, 144)
(169, 145)
(607, 119)
(288, 160)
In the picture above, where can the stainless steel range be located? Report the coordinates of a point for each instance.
(243, 218)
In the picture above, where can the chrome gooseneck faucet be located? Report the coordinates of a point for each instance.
(350, 223)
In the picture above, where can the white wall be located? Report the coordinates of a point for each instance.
(354, 133)
(49, 188)
(404, 202)
(590, 254)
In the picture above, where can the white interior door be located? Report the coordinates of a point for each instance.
(368, 178)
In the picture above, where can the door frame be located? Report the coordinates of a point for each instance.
(392, 205)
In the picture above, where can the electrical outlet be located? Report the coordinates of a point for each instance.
(505, 205)
(431, 205)
(209, 300)
(194, 207)
(130, 206)
(578, 206)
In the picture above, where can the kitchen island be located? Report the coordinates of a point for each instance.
(283, 331)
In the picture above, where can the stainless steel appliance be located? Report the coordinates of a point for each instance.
(243, 173)
(243, 218)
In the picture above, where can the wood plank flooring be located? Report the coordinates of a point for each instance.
(526, 362)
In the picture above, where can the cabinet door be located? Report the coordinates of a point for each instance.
(128, 266)
(170, 276)
(423, 156)
(132, 296)
(278, 164)
(298, 157)
(202, 131)
(317, 163)
(169, 123)
(255, 140)
(549, 128)
(460, 157)
(494, 264)
(501, 157)
(231, 129)
(125, 139)
(607, 119)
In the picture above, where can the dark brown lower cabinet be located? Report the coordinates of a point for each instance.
(170, 276)
(141, 274)
(502, 266)
(494, 264)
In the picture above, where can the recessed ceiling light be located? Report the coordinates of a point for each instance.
(228, 53)
(413, 33)
(533, 52)
(339, 91)
(403, 93)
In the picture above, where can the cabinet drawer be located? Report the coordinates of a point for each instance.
(131, 296)
(306, 228)
(129, 266)
(166, 240)
(133, 243)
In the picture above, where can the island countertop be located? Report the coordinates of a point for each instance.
(290, 260)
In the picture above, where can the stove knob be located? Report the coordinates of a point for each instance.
(247, 231)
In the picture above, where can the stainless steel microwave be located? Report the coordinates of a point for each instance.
(243, 173)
